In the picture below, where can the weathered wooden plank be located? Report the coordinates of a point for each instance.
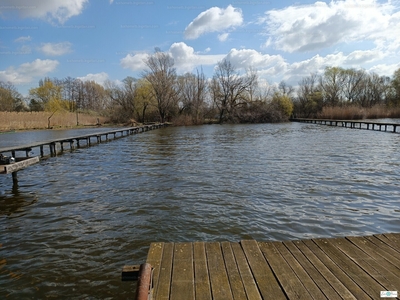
(235, 280)
(369, 264)
(311, 264)
(366, 282)
(341, 276)
(384, 258)
(154, 257)
(390, 253)
(201, 277)
(18, 165)
(390, 240)
(297, 268)
(392, 236)
(182, 285)
(165, 273)
(287, 278)
(220, 287)
(249, 284)
(263, 275)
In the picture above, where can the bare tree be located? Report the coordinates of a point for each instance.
(192, 94)
(229, 89)
(162, 77)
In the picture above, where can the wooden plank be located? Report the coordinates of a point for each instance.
(164, 278)
(263, 275)
(311, 266)
(294, 289)
(182, 285)
(369, 264)
(384, 259)
(201, 277)
(220, 287)
(341, 276)
(235, 280)
(18, 165)
(154, 257)
(390, 253)
(390, 240)
(366, 282)
(304, 277)
(249, 284)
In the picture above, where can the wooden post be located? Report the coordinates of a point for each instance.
(62, 146)
(15, 179)
(41, 151)
(71, 145)
(144, 282)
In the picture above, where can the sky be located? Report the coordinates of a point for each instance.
(104, 40)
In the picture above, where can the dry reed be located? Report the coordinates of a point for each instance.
(39, 120)
(359, 113)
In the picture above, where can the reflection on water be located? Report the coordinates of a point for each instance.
(92, 211)
(12, 201)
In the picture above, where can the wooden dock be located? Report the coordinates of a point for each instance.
(87, 138)
(99, 137)
(320, 268)
(366, 125)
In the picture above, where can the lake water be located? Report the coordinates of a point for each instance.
(75, 220)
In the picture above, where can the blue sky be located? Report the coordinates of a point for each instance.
(109, 39)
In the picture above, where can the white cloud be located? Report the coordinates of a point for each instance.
(50, 10)
(135, 62)
(246, 58)
(214, 19)
(321, 25)
(359, 57)
(223, 37)
(57, 49)
(99, 78)
(23, 39)
(185, 59)
(385, 70)
(26, 72)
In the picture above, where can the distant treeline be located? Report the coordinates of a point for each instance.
(229, 96)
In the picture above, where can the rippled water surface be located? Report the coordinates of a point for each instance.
(74, 220)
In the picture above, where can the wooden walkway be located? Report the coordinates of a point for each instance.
(87, 138)
(366, 125)
(335, 268)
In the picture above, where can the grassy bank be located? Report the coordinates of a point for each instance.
(359, 113)
(39, 120)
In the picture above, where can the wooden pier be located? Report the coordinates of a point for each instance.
(366, 125)
(320, 268)
(88, 140)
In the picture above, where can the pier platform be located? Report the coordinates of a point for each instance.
(366, 267)
(366, 125)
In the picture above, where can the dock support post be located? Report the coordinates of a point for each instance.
(51, 150)
(71, 145)
(41, 151)
(144, 282)
(62, 146)
(15, 181)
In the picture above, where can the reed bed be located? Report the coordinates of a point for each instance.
(359, 113)
(39, 120)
